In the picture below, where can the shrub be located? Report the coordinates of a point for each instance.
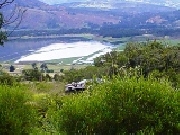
(59, 78)
(61, 70)
(16, 114)
(76, 75)
(44, 87)
(32, 74)
(48, 78)
(122, 106)
(6, 79)
(47, 106)
(43, 101)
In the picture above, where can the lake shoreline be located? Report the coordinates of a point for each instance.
(79, 49)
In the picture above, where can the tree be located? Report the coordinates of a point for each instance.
(32, 74)
(143, 58)
(34, 66)
(3, 36)
(44, 66)
(62, 70)
(1, 67)
(12, 68)
(11, 19)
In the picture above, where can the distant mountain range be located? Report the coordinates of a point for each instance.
(174, 3)
(91, 13)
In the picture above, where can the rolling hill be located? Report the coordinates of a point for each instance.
(40, 15)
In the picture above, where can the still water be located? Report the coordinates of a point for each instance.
(48, 49)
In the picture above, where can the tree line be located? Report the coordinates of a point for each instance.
(151, 58)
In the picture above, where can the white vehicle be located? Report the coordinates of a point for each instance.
(79, 86)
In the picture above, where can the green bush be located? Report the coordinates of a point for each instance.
(59, 78)
(16, 113)
(122, 106)
(32, 74)
(47, 105)
(76, 75)
(44, 87)
(6, 79)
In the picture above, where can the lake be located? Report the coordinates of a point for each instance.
(82, 50)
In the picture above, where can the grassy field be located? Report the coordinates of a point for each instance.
(57, 68)
(47, 88)
(65, 60)
(173, 42)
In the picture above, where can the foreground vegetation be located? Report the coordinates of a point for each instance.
(140, 95)
(121, 105)
(142, 98)
(17, 116)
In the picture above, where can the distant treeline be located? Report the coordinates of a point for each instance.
(107, 30)
(160, 24)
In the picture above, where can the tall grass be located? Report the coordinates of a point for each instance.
(119, 106)
(16, 114)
